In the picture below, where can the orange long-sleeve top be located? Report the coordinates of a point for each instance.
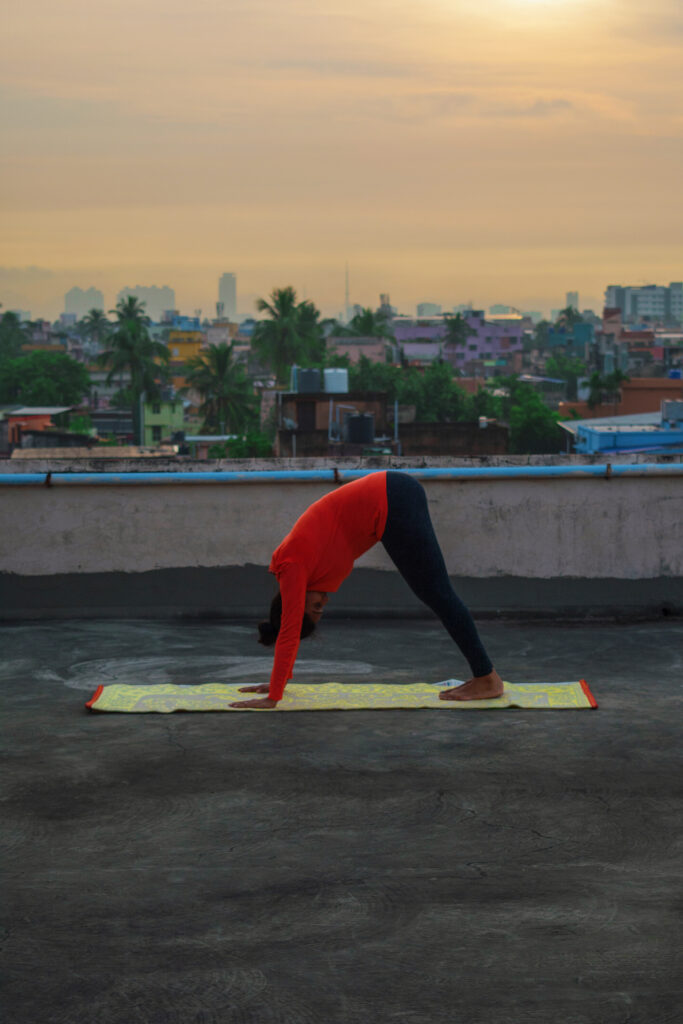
(318, 554)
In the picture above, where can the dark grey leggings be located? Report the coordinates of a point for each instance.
(412, 545)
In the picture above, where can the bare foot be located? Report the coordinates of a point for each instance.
(479, 688)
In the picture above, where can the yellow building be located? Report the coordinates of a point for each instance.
(182, 346)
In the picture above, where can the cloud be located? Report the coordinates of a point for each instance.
(539, 108)
(20, 275)
(342, 68)
(421, 107)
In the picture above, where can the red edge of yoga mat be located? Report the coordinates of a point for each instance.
(584, 686)
(591, 699)
(96, 694)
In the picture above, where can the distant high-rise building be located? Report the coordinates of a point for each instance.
(428, 309)
(157, 299)
(572, 299)
(498, 309)
(79, 301)
(227, 295)
(656, 302)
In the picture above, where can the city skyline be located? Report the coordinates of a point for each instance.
(499, 152)
(162, 301)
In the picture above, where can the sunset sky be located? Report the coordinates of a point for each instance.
(449, 150)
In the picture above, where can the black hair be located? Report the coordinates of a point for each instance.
(270, 627)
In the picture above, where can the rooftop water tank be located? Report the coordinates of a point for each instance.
(336, 381)
(308, 381)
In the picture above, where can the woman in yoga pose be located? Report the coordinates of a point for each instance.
(318, 554)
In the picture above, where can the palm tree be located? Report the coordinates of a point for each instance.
(596, 385)
(228, 401)
(457, 329)
(569, 317)
(292, 332)
(612, 384)
(130, 348)
(368, 324)
(95, 326)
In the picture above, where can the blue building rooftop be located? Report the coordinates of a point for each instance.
(649, 432)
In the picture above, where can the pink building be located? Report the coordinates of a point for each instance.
(374, 349)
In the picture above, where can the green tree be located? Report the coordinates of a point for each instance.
(254, 445)
(368, 376)
(12, 336)
(434, 392)
(612, 384)
(533, 426)
(457, 329)
(228, 402)
(130, 348)
(541, 331)
(44, 378)
(291, 333)
(568, 370)
(95, 326)
(569, 316)
(368, 324)
(596, 387)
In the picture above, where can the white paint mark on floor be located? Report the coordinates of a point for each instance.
(87, 675)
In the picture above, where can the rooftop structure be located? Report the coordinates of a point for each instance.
(277, 867)
(645, 432)
(325, 867)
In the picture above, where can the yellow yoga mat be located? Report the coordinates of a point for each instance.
(164, 698)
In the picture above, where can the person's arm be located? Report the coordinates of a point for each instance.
(292, 580)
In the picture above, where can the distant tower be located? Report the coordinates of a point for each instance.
(572, 299)
(227, 294)
(348, 312)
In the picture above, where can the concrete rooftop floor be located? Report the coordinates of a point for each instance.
(391, 867)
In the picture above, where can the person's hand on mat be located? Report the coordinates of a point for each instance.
(479, 688)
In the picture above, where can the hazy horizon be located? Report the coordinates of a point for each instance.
(499, 151)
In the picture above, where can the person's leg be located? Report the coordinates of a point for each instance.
(411, 543)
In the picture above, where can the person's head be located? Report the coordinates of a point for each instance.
(313, 609)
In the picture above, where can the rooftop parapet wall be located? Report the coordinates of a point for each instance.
(514, 545)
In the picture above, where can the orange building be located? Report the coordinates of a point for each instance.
(30, 417)
(640, 394)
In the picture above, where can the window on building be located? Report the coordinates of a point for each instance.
(156, 408)
(156, 433)
(472, 348)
